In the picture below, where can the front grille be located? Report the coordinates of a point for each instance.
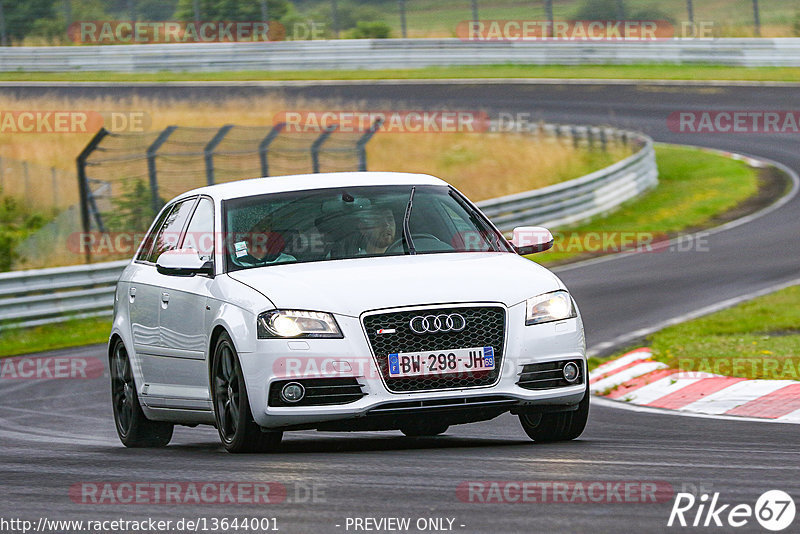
(548, 375)
(485, 327)
(319, 391)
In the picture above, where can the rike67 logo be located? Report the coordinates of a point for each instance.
(774, 510)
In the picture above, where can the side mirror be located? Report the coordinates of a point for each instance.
(532, 239)
(184, 262)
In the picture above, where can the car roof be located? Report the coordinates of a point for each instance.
(301, 182)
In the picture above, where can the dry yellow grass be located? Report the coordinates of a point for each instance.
(481, 165)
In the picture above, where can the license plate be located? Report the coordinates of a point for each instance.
(440, 362)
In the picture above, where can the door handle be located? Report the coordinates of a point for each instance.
(165, 298)
(132, 294)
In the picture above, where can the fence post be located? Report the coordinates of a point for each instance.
(335, 17)
(151, 166)
(83, 183)
(2, 176)
(402, 6)
(26, 182)
(317, 144)
(208, 151)
(54, 179)
(756, 19)
(263, 147)
(361, 144)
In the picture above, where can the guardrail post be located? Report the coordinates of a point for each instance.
(151, 166)
(83, 183)
(263, 147)
(317, 144)
(208, 151)
(361, 144)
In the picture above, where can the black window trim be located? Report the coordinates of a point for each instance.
(167, 209)
(189, 221)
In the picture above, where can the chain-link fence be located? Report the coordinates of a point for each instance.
(37, 186)
(125, 178)
(441, 18)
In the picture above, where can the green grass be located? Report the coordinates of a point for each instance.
(73, 333)
(698, 72)
(439, 17)
(694, 187)
(756, 339)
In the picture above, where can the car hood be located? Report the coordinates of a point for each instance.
(353, 286)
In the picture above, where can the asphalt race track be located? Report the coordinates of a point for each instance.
(59, 433)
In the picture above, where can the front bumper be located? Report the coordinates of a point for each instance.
(278, 360)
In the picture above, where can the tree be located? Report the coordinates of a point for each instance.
(21, 17)
(241, 10)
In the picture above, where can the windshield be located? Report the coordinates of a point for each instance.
(352, 222)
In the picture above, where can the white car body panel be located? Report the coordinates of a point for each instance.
(170, 346)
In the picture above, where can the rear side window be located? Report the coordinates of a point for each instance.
(168, 236)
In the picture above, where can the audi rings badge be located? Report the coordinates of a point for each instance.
(432, 324)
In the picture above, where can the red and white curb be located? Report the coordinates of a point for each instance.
(637, 379)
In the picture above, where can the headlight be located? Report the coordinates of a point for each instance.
(297, 323)
(555, 306)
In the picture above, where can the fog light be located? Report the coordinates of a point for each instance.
(571, 372)
(293, 392)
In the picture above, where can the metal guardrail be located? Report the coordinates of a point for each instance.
(343, 54)
(42, 296)
(582, 198)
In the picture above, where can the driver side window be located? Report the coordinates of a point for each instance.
(200, 232)
(169, 234)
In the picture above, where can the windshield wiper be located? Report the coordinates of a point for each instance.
(408, 243)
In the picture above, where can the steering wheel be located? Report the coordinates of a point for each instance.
(398, 245)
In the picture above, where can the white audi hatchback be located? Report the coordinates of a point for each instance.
(346, 301)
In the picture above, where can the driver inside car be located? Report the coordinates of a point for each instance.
(377, 228)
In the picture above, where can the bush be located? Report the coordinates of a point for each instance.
(370, 30)
(609, 10)
(133, 209)
(16, 223)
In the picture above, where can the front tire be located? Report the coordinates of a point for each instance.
(237, 429)
(556, 426)
(133, 428)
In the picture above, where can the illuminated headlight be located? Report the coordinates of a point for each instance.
(555, 306)
(297, 323)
